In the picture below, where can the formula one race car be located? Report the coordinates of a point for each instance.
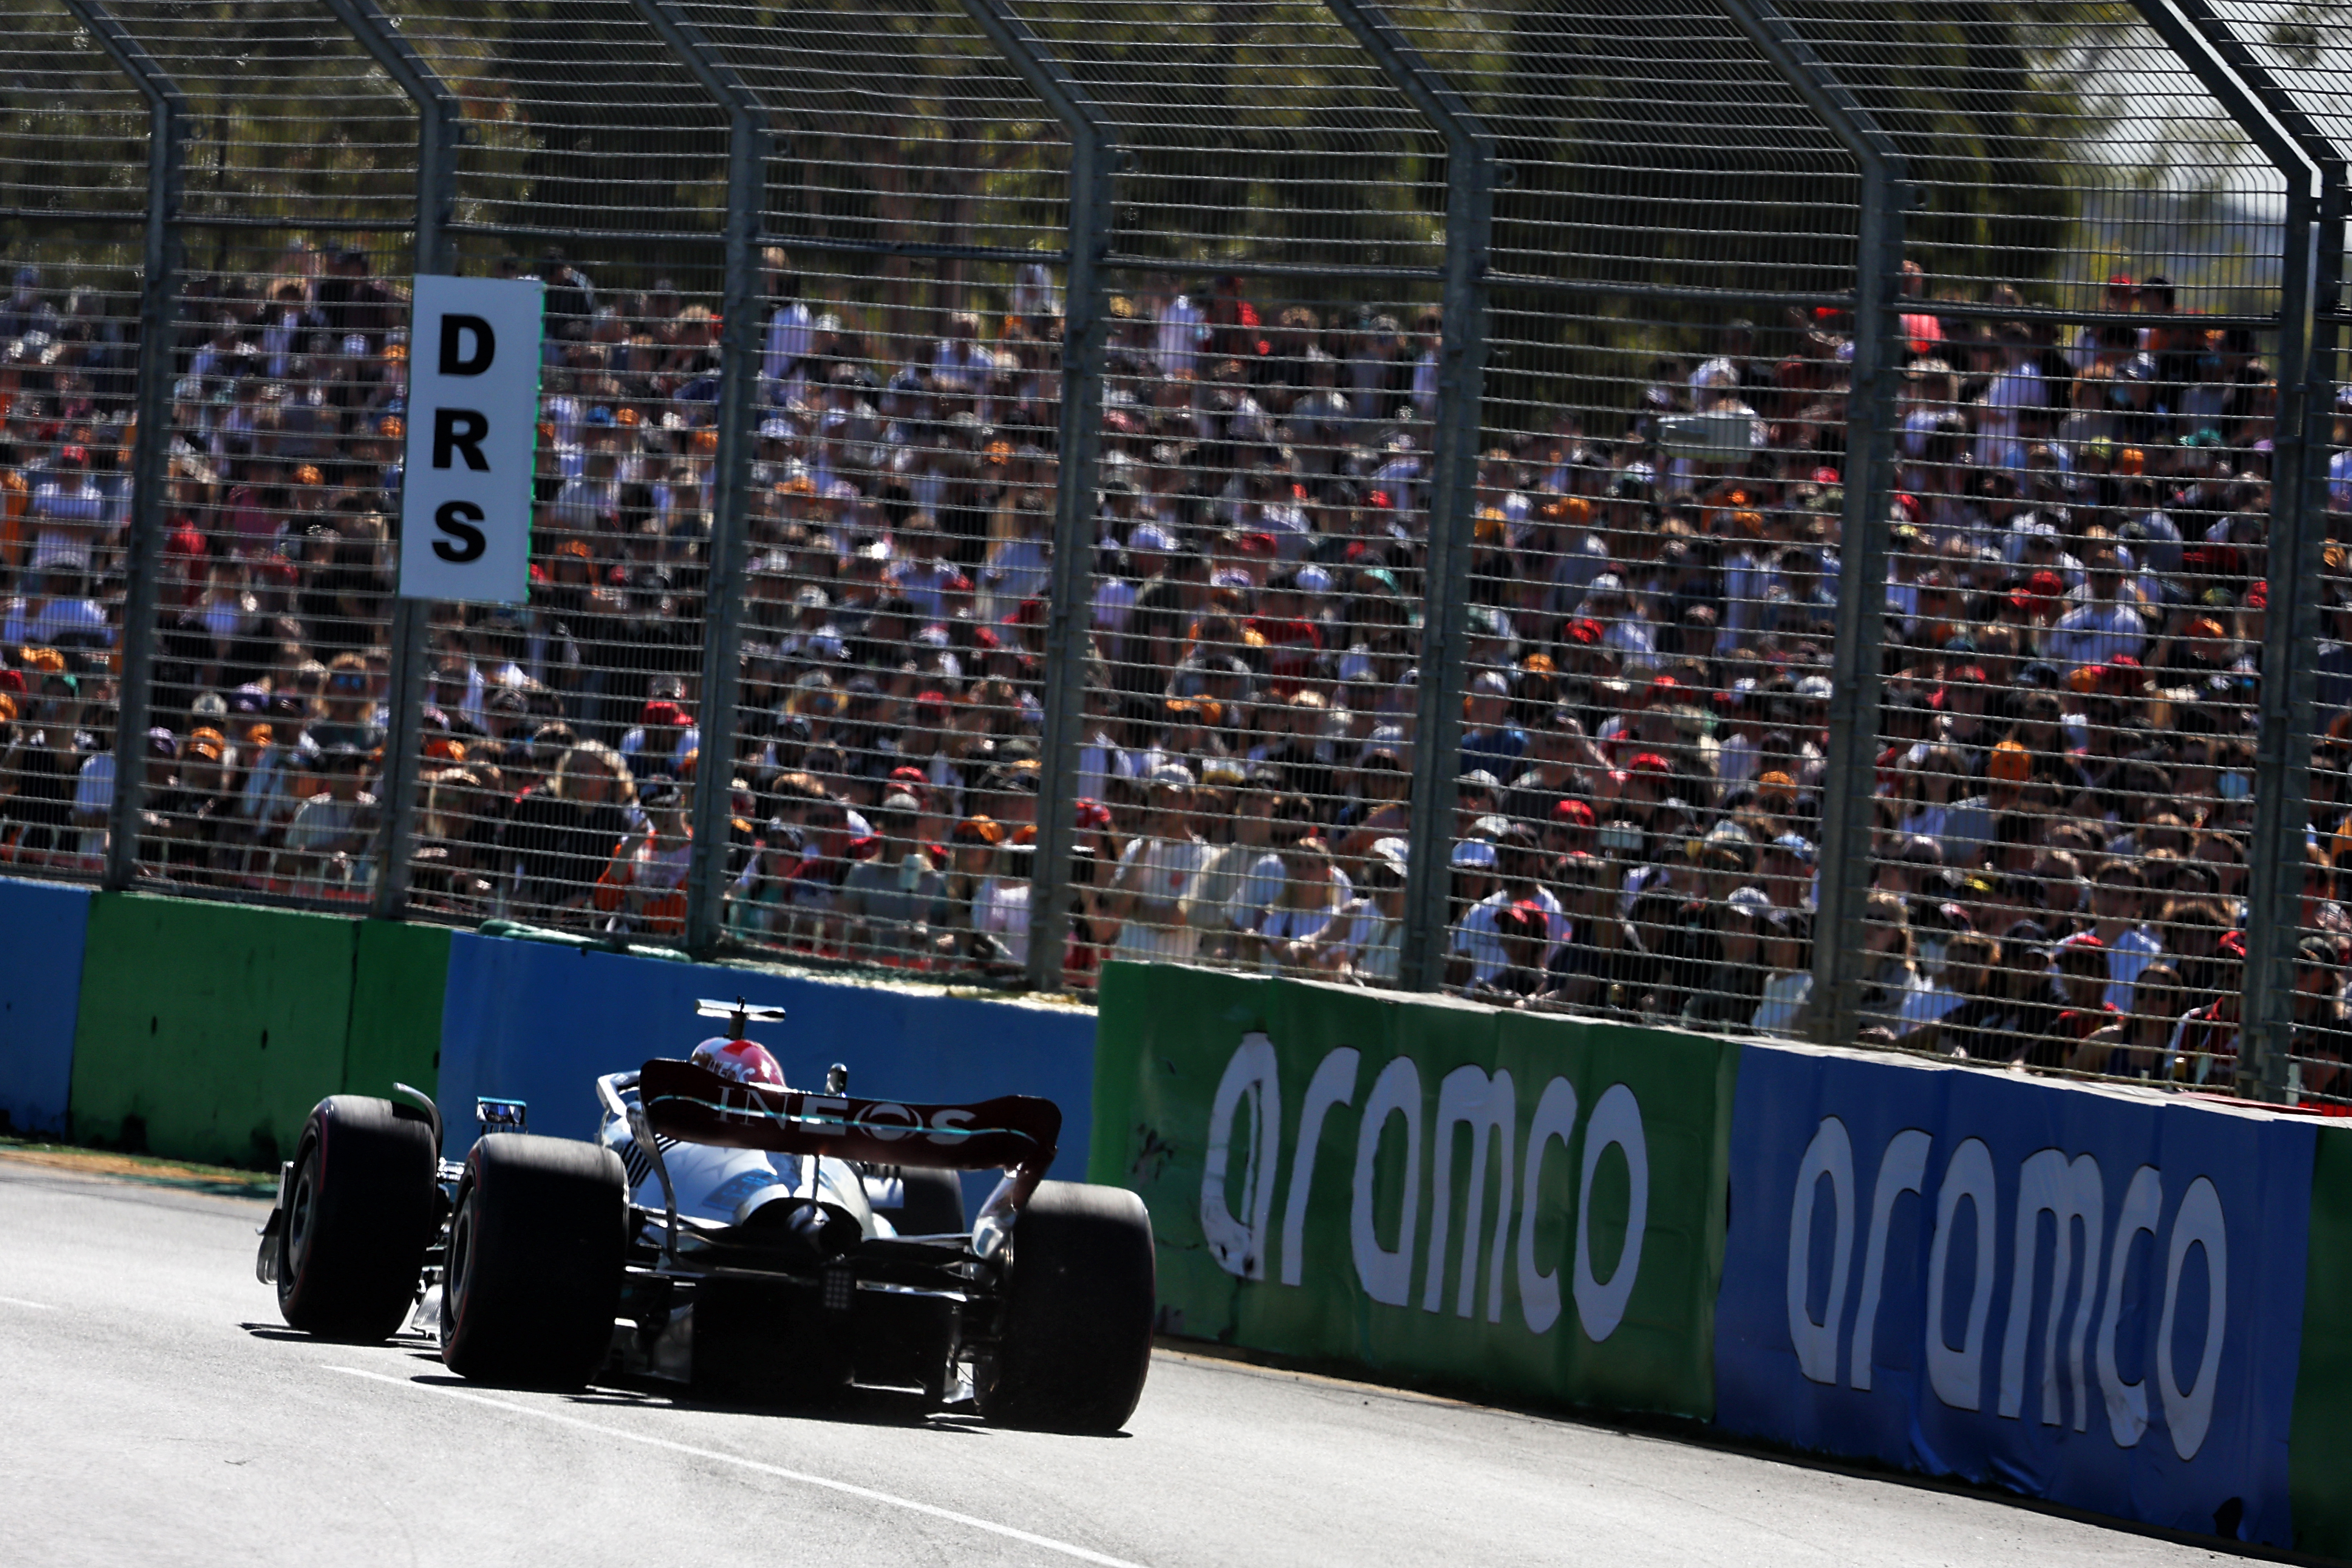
(726, 1231)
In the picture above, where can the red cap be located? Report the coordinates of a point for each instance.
(2045, 585)
(930, 699)
(1650, 763)
(662, 713)
(1574, 813)
(2258, 597)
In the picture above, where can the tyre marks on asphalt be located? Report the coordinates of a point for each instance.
(845, 1488)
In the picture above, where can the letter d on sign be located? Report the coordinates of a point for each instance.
(456, 359)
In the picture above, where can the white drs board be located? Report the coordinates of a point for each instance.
(473, 419)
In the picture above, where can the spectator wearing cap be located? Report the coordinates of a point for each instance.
(2204, 1044)
(1374, 918)
(663, 737)
(1518, 864)
(1519, 934)
(1600, 962)
(1301, 933)
(1491, 744)
(328, 840)
(1154, 895)
(2321, 1042)
(68, 513)
(1783, 999)
(1894, 992)
(2079, 981)
(889, 902)
(2118, 899)
(2134, 1044)
(1242, 877)
(972, 850)
(641, 890)
(2104, 626)
(39, 772)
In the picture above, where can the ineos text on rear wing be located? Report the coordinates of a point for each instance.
(694, 1105)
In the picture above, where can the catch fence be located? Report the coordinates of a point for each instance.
(1820, 518)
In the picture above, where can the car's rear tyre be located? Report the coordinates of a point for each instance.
(932, 1203)
(534, 1261)
(357, 1221)
(1073, 1344)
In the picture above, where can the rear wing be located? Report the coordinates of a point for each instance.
(695, 1105)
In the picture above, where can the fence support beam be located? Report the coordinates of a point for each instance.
(159, 290)
(1470, 176)
(437, 114)
(1069, 642)
(723, 593)
(2311, 263)
(1847, 778)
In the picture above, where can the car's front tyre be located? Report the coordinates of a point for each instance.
(357, 1221)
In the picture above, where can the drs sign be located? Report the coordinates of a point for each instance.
(2091, 1298)
(473, 415)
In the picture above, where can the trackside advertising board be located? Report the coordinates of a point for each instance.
(1430, 1189)
(2091, 1295)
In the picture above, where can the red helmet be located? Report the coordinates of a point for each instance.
(739, 1061)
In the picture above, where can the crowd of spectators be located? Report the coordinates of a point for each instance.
(2073, 609)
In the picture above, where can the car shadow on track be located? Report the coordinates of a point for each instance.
(860, 1407)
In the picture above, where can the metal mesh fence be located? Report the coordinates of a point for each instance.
(1655, 571)
(2307, 51)
(71, 182)
(887, 745)
(1175, 546)
(1266, 436)
(2076, 580)
(560, 738)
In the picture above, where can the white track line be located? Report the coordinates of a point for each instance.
(29, 1306)
(554, 1418)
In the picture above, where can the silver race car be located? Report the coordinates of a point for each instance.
(731, 1233)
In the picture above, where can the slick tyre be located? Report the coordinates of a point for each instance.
(1073, 1344)
(534, 1261)
(351, 1241)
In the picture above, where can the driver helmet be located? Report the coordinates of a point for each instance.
(739, 1061)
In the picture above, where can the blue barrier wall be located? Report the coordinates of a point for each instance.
(2092, 1296)
(40, 1000)
(537, 1021)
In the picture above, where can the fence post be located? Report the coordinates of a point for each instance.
(1070, 603)
(2311, 259)
(1470, 177)
(437, 141)
(1847, 777)
(722, 603)
(167, 112)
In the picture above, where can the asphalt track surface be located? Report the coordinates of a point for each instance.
(153, 1412)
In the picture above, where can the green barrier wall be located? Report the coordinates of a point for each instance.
(208, 1031)
(399, 976)
(2319, 1449)
(1399, 1254)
